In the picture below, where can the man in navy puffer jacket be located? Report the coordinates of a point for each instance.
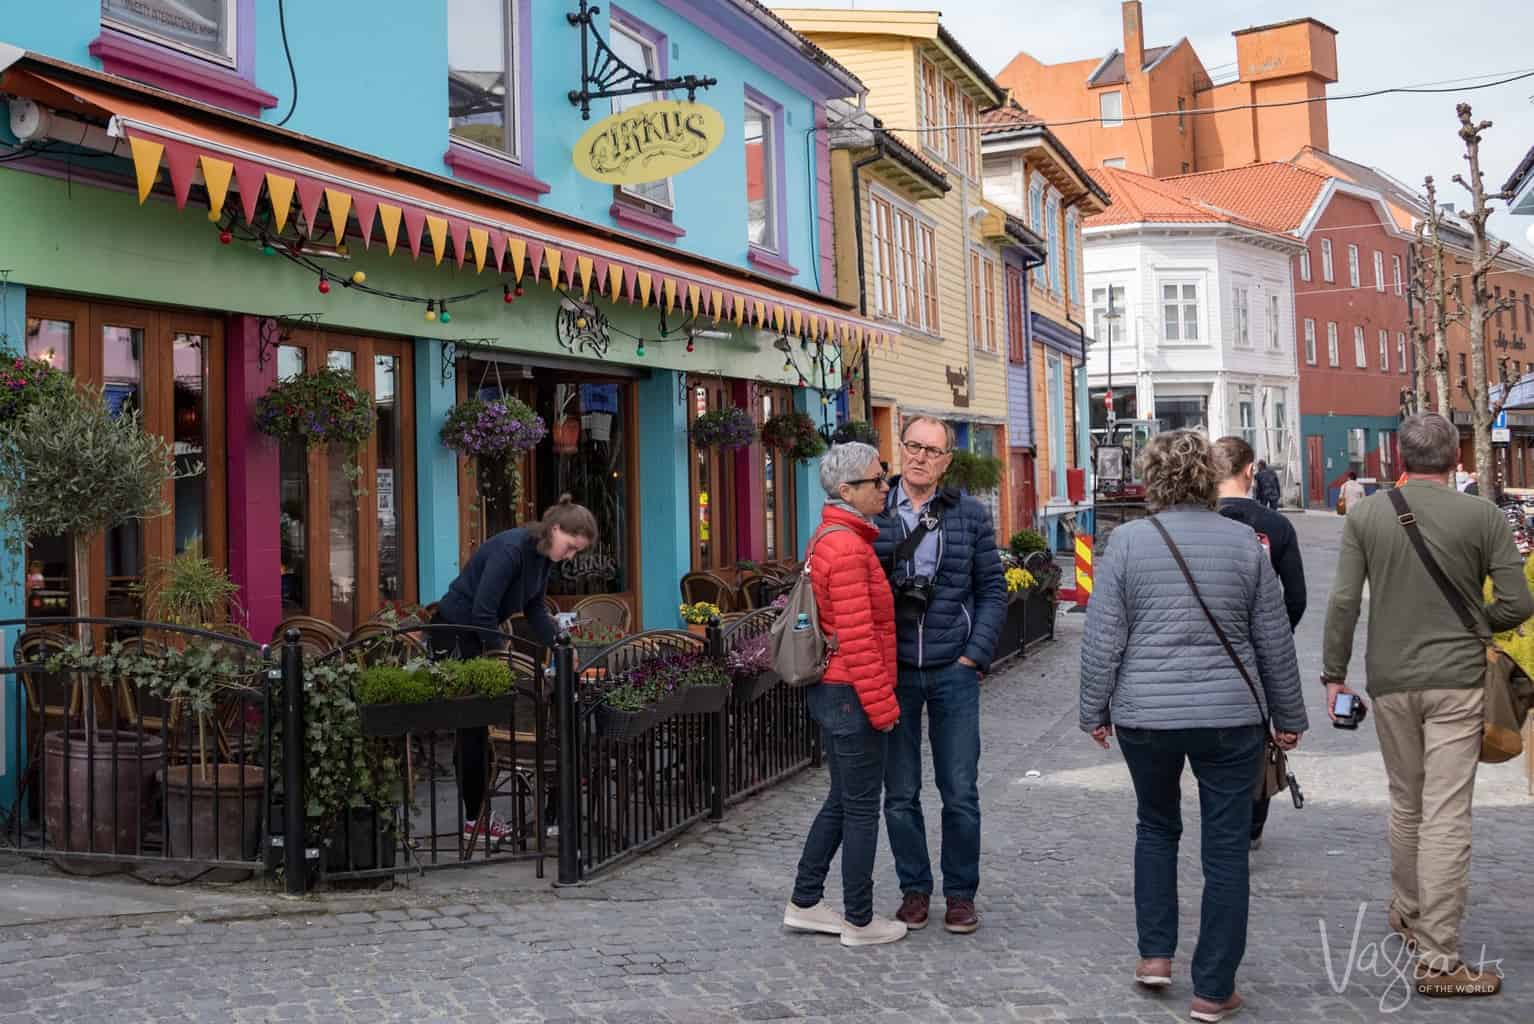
(942, 650)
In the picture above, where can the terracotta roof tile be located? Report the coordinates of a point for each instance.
(1006, 117)
(1138, 199)
(1275, 195)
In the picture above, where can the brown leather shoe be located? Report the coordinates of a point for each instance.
(913, 910)
(1211, 1012)
(1154, 972)
(1461, 981)
(961, 918)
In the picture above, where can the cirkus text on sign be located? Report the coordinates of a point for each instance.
(648, 142)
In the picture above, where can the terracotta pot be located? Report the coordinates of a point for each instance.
(194, 829)
(93, 767)
(567, 435)
(698, 628)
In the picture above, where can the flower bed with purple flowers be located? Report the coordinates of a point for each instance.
(320, 408)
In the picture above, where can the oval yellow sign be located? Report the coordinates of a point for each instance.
(648, 142)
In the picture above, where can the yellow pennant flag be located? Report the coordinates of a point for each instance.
(281, 191)
(796, 323)
(216, 174)
(759, 314)
(437, 227)
(551, 260)
(340, 204)
(518, 249)
(146, 164)
(716, 299)
(740, 310)
(777, 318)
(669, 287)
(583, 267)
(389, 217)
(614, 281)
(481, 239)
(643, 278)
(694, 296)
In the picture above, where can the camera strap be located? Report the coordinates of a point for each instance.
(1408, 521)
(929, 519)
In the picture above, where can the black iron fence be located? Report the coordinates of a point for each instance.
(145, 742)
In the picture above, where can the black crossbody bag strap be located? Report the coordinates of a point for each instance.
(1230, 649)
(1408, 522)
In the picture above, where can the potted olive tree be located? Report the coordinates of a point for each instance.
(69, 466)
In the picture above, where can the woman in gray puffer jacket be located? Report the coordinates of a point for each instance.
(1153, 668)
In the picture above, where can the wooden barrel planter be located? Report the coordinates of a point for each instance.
(213, 812)
(111, 774)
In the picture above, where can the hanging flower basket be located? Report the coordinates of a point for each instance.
(25, 382)
(321, 408)
(795, 435)
(494, 433)
(723, 428)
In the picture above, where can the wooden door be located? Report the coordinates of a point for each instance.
(711, 474)
(1315, 470)
(1021, 490)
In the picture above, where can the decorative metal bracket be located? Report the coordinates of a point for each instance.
(446, 371)
(278, 328)
(605, 75)
(581, 327)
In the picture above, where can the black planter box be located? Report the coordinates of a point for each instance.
(610, 723)
(1009, 641)
(363, 840)
(704, 700)
(747, 690)
(1039, 618)
(436, 715)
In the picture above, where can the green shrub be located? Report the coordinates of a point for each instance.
(476, 677)
(390, 684)
(1026, 542)
(978, 474)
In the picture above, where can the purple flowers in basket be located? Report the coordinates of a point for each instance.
(749, 658)
(492, 429)
(723, 428)
(655, 679)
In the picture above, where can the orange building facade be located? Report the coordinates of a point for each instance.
(1098, 106)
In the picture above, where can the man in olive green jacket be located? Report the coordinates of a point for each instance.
(1425, 674)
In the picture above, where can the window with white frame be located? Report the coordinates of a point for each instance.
(1395, 270)
(983, 287)
(1353, 266)
(1379, 271)
(1333, 356)
(1104, 329)
(969, 139)
(1310, 341)
(202, 28)
(1073, 254)
(932, 109)
(1305, 264)
(945, 109)
(903, 265)
(1360, 351)
(482, 93)
(1275, 340)
(1246, 414)
(1179, 311)
(1358, 448)
(761, 177)
(1036, 221)
(639, 53)
(1386, 462)
(1052, 222)
(1326, 260)
(1384, 351)
(1115, 162)
(1400, 353)
(1279, 431)
(1110, 109)
(951, 119)
(1242, 316)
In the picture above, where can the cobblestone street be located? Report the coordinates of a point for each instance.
(691, 933)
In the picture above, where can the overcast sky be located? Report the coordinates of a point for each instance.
(1379, 44)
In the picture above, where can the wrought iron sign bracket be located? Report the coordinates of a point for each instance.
(605, 75)
(277, 329)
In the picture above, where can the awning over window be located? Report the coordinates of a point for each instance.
(338, 192)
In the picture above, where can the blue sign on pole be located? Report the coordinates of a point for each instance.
(1501, 421)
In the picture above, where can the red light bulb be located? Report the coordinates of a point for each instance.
(225, 237)
(517, 291)
(506, 295)
(689, 344)
(324, 286)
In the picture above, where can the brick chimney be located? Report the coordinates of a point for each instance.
(1134, 40)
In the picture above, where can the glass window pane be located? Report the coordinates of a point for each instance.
(290, 361)
(477, 106)
(639, 54)
(52, 341)
(342, 504)
(293, 491)
(591, 465)
(122, 350)
(202, 25)
(386, 434)
(190, 419)
(761, 217)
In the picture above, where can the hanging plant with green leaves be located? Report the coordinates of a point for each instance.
(27, 382)
(494, 433)
(795, 435)
(860, 431)
(969, 471)
(318, 410)
(731, 427)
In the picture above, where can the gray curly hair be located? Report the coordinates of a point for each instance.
(1181, 467)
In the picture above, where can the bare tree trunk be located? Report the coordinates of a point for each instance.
(1483, 408)
(81, 549)
(1440, 293)
(1417, 309)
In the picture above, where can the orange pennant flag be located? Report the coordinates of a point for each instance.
(583, 267)
(146, 164)
(796, 323)
(281, 191)
(759, 314)
(716, 300)
(643, 278)
(518, 249)
(669, 288)
(614, 281)
(694, 296)
(481, 239)
(437, 226)
(389, 217)
(551, 260)
(340, 205)
(215, 175)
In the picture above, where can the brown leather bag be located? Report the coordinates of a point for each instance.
(1274, 777)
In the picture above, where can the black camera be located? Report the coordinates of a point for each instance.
(1348, 712)
(913, 594)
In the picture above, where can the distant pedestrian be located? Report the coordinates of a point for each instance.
(1461, 478)
(1474, 486)
(1352, 492)
(1426, 673)
(1269, 491)
(1277, 535)
(855, 702)
(1187, 665)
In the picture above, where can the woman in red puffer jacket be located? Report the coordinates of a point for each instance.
(855, 701)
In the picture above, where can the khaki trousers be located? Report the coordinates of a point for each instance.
(1431, 743)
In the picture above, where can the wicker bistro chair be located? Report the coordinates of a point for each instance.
(609, 611)
(315, 635)
(705, 586)
(381, 644)
(753, 590)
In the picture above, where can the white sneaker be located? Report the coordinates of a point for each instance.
(876, 932)
(819, 918)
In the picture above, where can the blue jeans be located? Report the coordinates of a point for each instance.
(1226, 763)
(849, 818)
(952, 698)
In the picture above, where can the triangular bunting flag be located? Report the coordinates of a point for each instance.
(309, 194)
(716, 300)
(437, 228)
(215, 175)
(516, 249)
(615, 281)
(389, 217)
(281, 191)
(694, 296)
(340, 206)
(460, 232)
(599, 273)
(584, 266)
(644, 289)
(535, 260)
(497, 249)
(796, 323)
(366, 208)
(759, 314)
(740, 309)
(415, 221)
(481, 239)
(551, 258)
(669, 288)
(631, 283)
(777, 318)
(247, 178)
(146, 164)
(182, 161)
